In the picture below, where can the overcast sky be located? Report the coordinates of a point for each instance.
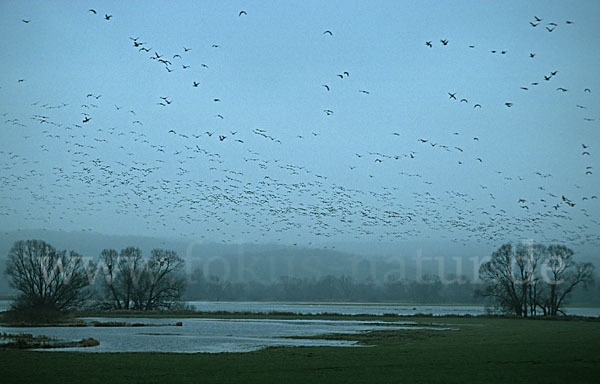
(315, 137)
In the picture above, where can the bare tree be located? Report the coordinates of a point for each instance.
(526, 277)
(133, 282)
(502, 285)
(563, 274)
(162, 283)
(46, 277)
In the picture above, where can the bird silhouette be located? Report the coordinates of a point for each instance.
(452, 95)
(328, 32)
(428, 43)
(92, 10)
(107, 17)
(242, 13)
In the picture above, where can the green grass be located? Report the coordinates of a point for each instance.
(483, 350)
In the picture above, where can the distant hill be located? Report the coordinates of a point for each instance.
(242, 262)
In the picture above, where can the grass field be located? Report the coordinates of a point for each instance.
(482, 350)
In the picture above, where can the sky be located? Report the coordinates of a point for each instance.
(297, 136)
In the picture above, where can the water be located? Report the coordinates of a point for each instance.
(359, 308)
(348, 308)
(209, 335)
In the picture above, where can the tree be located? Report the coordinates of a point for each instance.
(135, 283)
(563, 274)
(45, 277)
(528, 277)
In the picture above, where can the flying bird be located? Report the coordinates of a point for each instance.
(428, 43)
(328, 32)
(107, 17)
(326, 86)
(452, 95)
(92, 10)
(242, 13)
(477, 105)
(221, 137)
(26, 21)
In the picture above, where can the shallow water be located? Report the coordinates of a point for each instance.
(208, 335)
(347, 308)
(358, 308)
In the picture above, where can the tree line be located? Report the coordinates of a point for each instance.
(52, 279)
(430, 289)
(523, 279)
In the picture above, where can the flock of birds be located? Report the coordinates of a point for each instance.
(263, 197)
